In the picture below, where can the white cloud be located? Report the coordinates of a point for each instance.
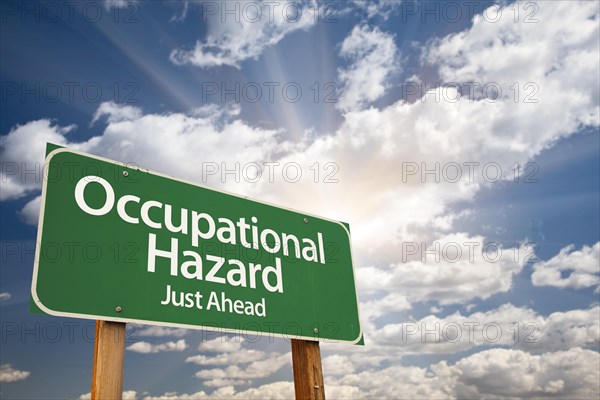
(9, 374)
(159, 331)
(559, 52)
(176, 137)
(454, 269)
(373, 58)
(563, 330)
(222, 344)
(273, 391)
(4, 296)
(373, 147)
(270, 391)
(336, 365)
(500, 373)
(582, 266)
(232, 355)
(116, 113)
(397, 335)
(31, 212)
(108, 4)
(224, 382)
(23, 148)
(22, 154)
(182, 15)
(259, 25)
(494, 373)
(374, 8)
(257, 369)
(129, 395)
(334, 391)
(392, 302)
(241, 356)
(145, 347)
(505, 326)
(411, 382)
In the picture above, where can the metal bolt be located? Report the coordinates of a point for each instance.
(125, 173)
(305, 219)
(316, 386)
(118, 309)
(316, 330)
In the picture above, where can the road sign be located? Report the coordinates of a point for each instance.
(119, 243)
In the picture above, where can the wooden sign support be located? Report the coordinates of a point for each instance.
(109, 350)
(308, 372)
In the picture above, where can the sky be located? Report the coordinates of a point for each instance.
(459, 139)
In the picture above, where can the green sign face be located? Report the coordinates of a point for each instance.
(124, 244)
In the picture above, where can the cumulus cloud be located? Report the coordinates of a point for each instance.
(116, 113)
(129, 395)
(502, 373)
(505, 326)
(396, 335)
(230, 353)
(242, 356)
(494, 373)
(182, 14)
(22, 154)
(9, 374)
(224, 382)
(270, 391)
(246, 35)
(454, 269)
(582, 268)
(562, 330)
(336, 365)
(222, 344)
(159, 331)
(109, 4)
(146, 348)
(234, 375)
(385, 152)
(23, 148)
(412, 382)
(496, 53)
(392, 302)
(373, 58)
(31, 212)
(377, 8)
(256, 369)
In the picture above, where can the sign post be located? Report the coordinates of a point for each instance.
(308, 372)
(109, 349)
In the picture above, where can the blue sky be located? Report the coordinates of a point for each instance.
(173, 86)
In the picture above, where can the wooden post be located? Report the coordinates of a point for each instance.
(308, 373)
(109, 350)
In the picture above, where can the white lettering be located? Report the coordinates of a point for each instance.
(80, 198)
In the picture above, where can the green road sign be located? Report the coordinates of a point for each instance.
(124, 244)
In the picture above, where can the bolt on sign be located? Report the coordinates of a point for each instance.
(124, 244)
